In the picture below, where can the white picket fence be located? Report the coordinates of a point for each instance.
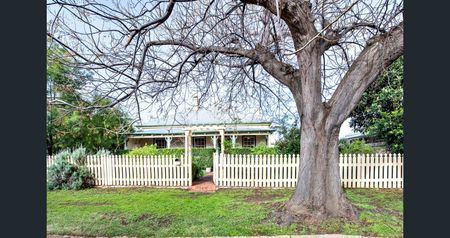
(356, 170)
(371, 171)
(118, 170)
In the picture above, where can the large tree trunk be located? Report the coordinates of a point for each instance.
(319, 194)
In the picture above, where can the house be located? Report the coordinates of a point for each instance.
(204, 129)
(372, 141)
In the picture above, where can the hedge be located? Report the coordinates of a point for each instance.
(203, 155)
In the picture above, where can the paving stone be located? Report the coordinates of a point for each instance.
(204, 185)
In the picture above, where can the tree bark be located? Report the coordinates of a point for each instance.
(319, 194)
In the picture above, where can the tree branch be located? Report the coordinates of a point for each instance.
(285, 73)
(154, 23)
(380, 52)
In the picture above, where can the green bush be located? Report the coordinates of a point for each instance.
(235, 151)
(262, 149)
(356, 147)
(79, 155)
(153, 150)
(121, 152)
(197, 168)
(145, 150)
(103, 152)
(64, 175)
(257, 150)
(205, 155)
(290, 140)
(81, 178)
(172, 151)
(63, 155)
(238, 151)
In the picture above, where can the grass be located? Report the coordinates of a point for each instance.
(146, 212)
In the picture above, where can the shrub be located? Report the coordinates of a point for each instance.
(239, 151)
(197, 168)
(257, 150)
(356, 147)
(59, 174)
(290, 140)
(79, 155)
(64, 175)
(63, 155)
(122, 152)
(227, 145)
(203, 154)
(171, 151)
(145, 150)
(81, 178)
(262, 149)
(103, 152)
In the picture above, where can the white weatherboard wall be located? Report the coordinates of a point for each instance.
(278, 171)
(117, 170)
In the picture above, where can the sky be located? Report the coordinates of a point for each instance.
(148, 117)
(345, 129)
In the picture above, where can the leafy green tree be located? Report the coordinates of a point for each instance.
(290, 140)
(92, 129)
(380, 111)
(68, 126)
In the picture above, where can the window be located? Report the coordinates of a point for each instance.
(248, 141)
(199, 142)
(160, 143)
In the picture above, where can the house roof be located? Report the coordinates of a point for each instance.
(354, 136)
(201, 117)
(176, 125)
(179, 131)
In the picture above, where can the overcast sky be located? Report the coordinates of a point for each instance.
(147, 112)
(345, 129)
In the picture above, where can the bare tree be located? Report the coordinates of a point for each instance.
(326, 53)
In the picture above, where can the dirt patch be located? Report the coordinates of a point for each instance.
(191, 195)
(273, 217)
(151, 220)
(114, 216)
(309, 224)
(261, 196)
(388, 211)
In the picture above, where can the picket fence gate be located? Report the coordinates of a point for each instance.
(279, 171)
(120, 170)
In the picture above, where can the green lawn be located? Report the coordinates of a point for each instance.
(145, 212)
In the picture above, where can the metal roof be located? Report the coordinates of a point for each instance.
(177, 131)
(354, 136)
(200, 117)
(159, 132)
